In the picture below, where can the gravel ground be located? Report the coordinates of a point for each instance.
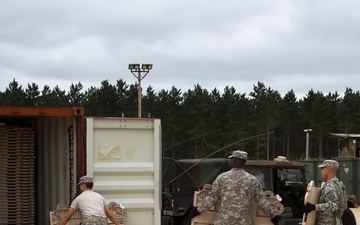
(356, 212)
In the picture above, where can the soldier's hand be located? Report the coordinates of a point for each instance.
(308, 207)
(193, 212)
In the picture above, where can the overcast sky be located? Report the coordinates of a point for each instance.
(299, 45)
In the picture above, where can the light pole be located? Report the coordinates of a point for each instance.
(307, 131)
(137, 72)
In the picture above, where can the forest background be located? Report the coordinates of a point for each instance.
(199, 123)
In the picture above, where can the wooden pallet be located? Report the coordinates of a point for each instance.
(259, 217)
(17, 174)
(205, 218)
(76, 219)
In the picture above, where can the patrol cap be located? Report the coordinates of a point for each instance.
(329, 163)
(238, 154)
(85, 179)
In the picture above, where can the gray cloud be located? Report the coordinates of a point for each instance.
(286, 45)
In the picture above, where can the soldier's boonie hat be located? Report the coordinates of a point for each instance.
(238, 154)
(332, 164)
(85, 179)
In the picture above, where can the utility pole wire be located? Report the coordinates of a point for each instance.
(221, 149)
(248, 150)
(203, 135)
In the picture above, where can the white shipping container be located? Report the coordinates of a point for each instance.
(123, 156)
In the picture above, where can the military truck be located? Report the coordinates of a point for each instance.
(180, 178)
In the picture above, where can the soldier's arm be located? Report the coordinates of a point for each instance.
(111, 216)
(67, 217)
(212, 198)
(331, 200)
(263, 203)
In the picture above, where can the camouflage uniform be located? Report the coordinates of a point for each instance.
(235, 189)
(94, 220)
(333, 198)
(332, 203)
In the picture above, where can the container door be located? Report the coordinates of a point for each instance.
(346, 174)
(123, 156)
(357, 178)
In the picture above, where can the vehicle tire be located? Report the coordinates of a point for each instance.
(348, 217)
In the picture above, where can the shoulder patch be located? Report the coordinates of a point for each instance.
(331, 196)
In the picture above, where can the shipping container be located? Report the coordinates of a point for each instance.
(348, 173)
(44, 151)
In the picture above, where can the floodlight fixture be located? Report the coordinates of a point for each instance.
(134, 66)
(137, 72)
(146, 66)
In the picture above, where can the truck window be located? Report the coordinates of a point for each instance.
(263, 176)
(289, 177)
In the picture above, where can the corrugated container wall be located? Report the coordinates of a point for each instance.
(53, 164)
(123, 156)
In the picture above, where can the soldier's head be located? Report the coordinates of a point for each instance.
(238, 159)
(329, 169)
(85, 182)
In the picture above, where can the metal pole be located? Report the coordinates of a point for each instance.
(145, 68)
(307, 145)
(139, 93)
(268, 146)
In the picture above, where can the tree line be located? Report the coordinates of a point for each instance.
(200, 123)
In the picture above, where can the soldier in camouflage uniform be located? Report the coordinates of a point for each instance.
(235, 189)
(333, 198)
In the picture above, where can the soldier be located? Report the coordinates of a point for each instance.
(92, 205)
(333, 199)
(235, 189)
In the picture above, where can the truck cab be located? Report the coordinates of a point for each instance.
(182, 177)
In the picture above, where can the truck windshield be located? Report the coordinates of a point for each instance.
(290, 177)
(263, 176)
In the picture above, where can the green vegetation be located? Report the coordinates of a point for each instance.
(198, 122)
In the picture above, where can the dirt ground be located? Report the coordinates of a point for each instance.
(356, 212)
